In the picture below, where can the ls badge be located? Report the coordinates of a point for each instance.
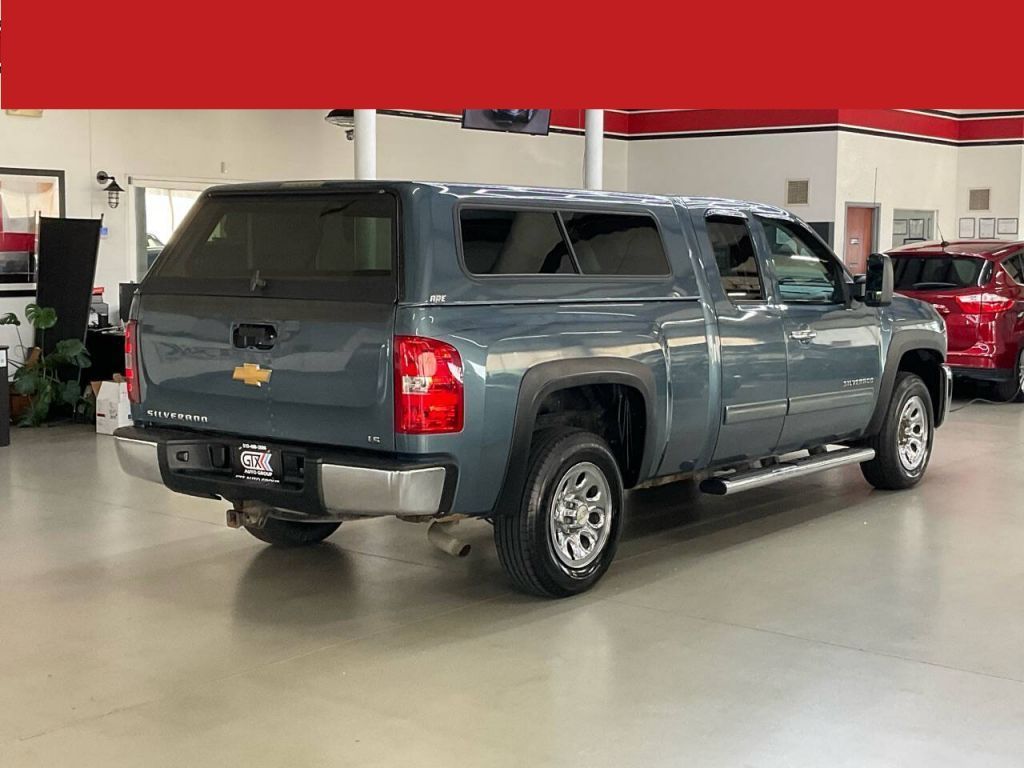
(251, 375)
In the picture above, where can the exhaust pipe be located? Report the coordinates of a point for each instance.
(439, 534)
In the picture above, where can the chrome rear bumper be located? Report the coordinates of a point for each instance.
(330, 490)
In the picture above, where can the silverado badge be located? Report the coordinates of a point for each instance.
(251, 374)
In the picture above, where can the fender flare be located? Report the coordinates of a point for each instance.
(902, 342)
(544, 378)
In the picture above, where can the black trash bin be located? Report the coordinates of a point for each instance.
(5, 401)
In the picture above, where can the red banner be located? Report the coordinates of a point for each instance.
(314, 53)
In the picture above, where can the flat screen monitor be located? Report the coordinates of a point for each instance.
(532, 121)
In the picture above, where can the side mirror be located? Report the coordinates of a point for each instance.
(878, 282)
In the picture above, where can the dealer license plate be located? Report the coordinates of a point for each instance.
(257, 463)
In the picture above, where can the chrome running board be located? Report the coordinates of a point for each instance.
(757, 478)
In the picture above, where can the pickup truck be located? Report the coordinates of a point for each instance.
(317, 352)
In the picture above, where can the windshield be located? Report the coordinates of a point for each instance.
(300, 245)
(930, 273)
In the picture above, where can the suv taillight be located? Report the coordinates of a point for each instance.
(984, 303)
(428, 386)
(131, 360)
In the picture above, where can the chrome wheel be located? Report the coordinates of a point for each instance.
(1020, 374)
(912, 435)
(580, 518)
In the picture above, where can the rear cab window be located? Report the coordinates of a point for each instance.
(285, 245)
(510, 241)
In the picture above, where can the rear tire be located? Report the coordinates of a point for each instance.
(1012, 390)
(562, 538)
(903, 446)
(289, 533)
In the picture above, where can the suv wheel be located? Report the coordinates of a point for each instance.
(1012, 390)
(289, 533)
(564, 535)
(903, 445)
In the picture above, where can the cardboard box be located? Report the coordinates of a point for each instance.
(113, 410)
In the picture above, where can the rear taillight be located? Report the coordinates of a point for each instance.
(984, 303)
(428, 386)
(131, 360)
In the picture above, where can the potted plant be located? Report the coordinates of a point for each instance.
(38, 377)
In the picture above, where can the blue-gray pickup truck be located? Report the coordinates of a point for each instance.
(316, 352)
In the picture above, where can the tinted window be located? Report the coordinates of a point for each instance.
(1015, 267)
(805, 270)
(505, 242)
(734, 253)
(616, 244)
(924, 273)
(285, 237)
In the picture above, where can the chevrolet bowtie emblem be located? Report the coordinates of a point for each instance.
(251, 374)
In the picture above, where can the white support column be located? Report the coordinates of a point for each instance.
(366, 143)
(593, 152)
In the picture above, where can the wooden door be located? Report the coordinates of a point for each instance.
(860, 238)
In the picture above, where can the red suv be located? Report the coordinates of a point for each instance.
(978, 288)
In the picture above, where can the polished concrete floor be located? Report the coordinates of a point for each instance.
(817, 623)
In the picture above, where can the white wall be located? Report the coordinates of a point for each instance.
(239, 145)
(999, 169)
(60, 142)
(896, 174)
(432, 150)
(744, 167)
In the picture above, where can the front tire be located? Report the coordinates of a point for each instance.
(563, 536)
(903, 446)
(289, 533)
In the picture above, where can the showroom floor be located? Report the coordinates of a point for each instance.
(816, 623)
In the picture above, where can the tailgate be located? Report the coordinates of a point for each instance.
(272, 315)
(324, 375)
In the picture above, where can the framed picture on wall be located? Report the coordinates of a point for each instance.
(1006, 226)
(899, 227)
(986, 228)
(26, 194)
(915, 229)
(967, 227)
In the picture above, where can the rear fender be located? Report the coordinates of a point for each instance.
(545, 378)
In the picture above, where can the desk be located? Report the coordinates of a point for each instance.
(106, 348)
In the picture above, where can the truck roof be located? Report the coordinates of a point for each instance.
(986, 249)
(484, 191)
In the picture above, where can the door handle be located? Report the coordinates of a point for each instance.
(254, 336)
(803, 334)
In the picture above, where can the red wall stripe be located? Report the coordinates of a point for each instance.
(894, 121)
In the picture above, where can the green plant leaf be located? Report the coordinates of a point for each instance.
(10, 319)
(69, 352)
(39, 409)
(27, 380)
(41, 317)
(70, 392)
